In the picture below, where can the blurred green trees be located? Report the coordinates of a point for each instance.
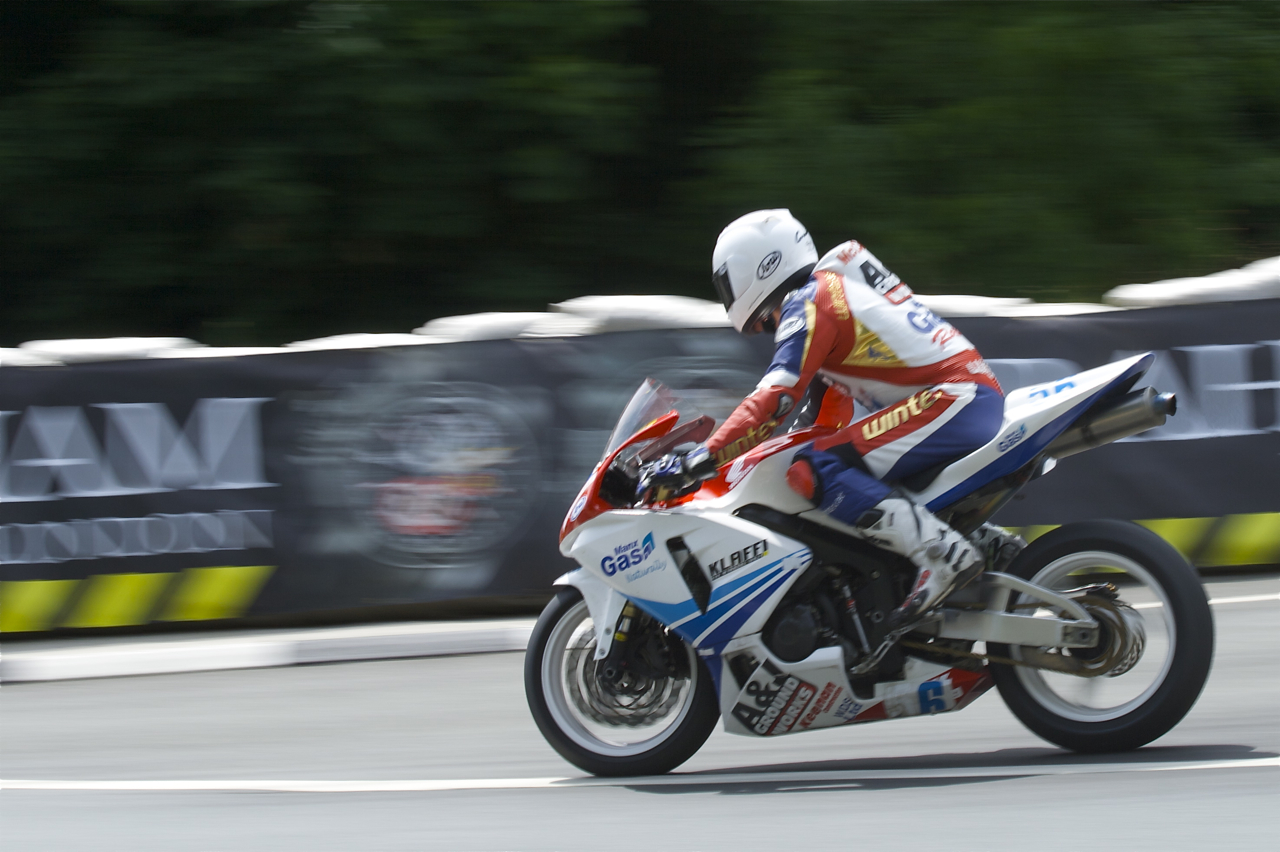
(261, 172)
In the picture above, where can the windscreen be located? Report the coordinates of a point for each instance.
(650, 401)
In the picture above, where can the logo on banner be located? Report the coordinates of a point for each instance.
(139, 448)
(56, 454)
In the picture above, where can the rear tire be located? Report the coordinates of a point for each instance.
(1175, 612)
(646, 733)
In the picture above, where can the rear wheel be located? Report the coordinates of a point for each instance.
(627, 725)
(1155, 647)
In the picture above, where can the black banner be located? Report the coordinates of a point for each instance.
(190, 489)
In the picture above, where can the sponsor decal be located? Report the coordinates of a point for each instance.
(755, 435)
(828, 697)
(945, 333)
(790, 326)
(738, 470)
(835, 289)
(1011, 440)
(1045, 393)
(873, 274)
(578, 505)
(898, 293)
(626, 556)
(933, 695)
(892, 418)
(773, 701)
(769, 264)
(738, 559)
(850, 249)
(655, 565)
(924, 320)
(849, 709)
(886, 284)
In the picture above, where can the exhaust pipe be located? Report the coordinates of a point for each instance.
(1136, 412)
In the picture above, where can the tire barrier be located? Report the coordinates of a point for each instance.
(190, 490)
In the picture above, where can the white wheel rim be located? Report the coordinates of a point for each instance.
(1101, 699)
(575, 631)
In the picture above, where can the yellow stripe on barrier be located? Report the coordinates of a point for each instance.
(31, 605)
(1034, 532)
(1185, 534)
(116, 600)
(1245, 540)
(209, 593)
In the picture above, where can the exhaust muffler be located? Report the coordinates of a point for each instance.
(1133, 413)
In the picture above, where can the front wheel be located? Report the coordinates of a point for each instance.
(629, 725)
(1124, 704)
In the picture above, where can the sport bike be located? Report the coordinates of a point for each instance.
(742, 602)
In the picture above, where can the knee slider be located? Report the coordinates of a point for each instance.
(804, 481)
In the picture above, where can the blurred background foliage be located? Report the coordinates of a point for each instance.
(258, 172)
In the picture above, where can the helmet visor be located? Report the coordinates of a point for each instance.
(720, 280)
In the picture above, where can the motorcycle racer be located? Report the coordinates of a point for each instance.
(848, 322)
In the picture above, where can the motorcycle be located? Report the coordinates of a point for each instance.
(741, 602)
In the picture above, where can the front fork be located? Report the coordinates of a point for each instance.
(615, 620)
(611, 667)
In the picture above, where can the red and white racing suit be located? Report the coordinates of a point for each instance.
(861, 330)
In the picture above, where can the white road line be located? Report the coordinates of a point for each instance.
(1218, 601)
(1245, 599)
(675, 780)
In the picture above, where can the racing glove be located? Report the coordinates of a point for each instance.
(675, 475)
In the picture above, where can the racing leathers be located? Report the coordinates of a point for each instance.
(859, 329)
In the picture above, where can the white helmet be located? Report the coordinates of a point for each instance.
(758, 259)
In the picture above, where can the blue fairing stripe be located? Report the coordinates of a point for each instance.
(665, 612)
(689, 623)
(1028, 450)
(723, 591)
(694, 627)
(730, 626)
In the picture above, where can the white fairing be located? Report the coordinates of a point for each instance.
(1033, 417)
(603, 602)
(786, 698)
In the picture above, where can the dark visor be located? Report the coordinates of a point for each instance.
(720, 280)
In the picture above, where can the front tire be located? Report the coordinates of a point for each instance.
(648, 729)
(1109, 714)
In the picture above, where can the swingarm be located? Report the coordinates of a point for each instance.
(982, 612)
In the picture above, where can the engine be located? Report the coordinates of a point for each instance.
(793, 632)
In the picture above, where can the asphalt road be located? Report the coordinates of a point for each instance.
(442, 754)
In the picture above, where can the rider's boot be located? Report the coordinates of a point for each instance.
(869, 509)
(944, 559)
(998, 545)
